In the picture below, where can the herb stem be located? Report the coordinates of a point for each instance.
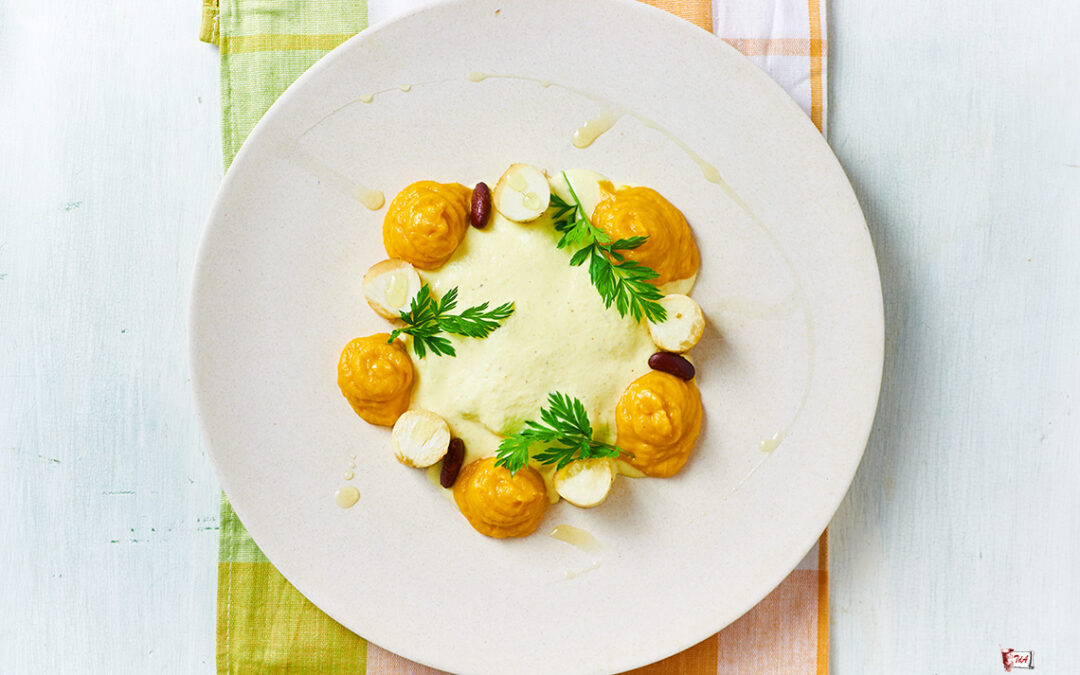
(621, 282)
(428, 317)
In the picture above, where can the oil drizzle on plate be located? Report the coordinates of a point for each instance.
(576, 537)
(587, 133)
(346, 496)
(373, 199)
(329, 176)
(366, 98)
(581, 540)
(710, 172)
(771, 443)
(796, 301)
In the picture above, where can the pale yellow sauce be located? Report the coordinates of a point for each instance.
(346, 496)
(771, 443)
(327, 175)
(576, 537)
(679, 286)
(624, 468)
(708, 171)
(372, 199)
(560, 338)
(584, 135)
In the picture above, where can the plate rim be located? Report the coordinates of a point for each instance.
(670, 22)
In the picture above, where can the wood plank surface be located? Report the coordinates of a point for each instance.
(109, 159)
(959, 125)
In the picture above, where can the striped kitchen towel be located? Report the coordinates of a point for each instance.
(263, 624)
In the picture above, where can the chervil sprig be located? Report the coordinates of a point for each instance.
(428, 317)
(620, 282)
(571, 221)
(564, 425)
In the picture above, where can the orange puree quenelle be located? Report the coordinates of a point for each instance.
(376, 378)
(425, 222)
(658, 419)
(497, 503)
(640, 211)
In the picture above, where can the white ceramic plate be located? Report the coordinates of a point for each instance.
(788, 281)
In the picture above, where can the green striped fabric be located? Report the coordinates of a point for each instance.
(264, 625)
(265, 45)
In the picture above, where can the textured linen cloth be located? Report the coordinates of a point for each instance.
(263, 624)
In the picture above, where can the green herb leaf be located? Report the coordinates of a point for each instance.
(571, 221)
(427, 318)
(564, 427)
(513, 453)
(620, 282)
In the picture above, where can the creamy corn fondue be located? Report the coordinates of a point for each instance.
(559, 338)
(529, 339)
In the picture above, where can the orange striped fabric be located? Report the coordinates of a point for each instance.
(773, 46)
(817, 53)
(823, 602)
(695, 11)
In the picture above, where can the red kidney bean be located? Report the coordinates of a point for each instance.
(451, 463)
(673, 364)
(481, 206)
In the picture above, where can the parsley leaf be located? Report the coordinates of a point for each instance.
(620, 282)
(428, 317)
(564, 426)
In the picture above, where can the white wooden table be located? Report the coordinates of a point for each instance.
(959, 124)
